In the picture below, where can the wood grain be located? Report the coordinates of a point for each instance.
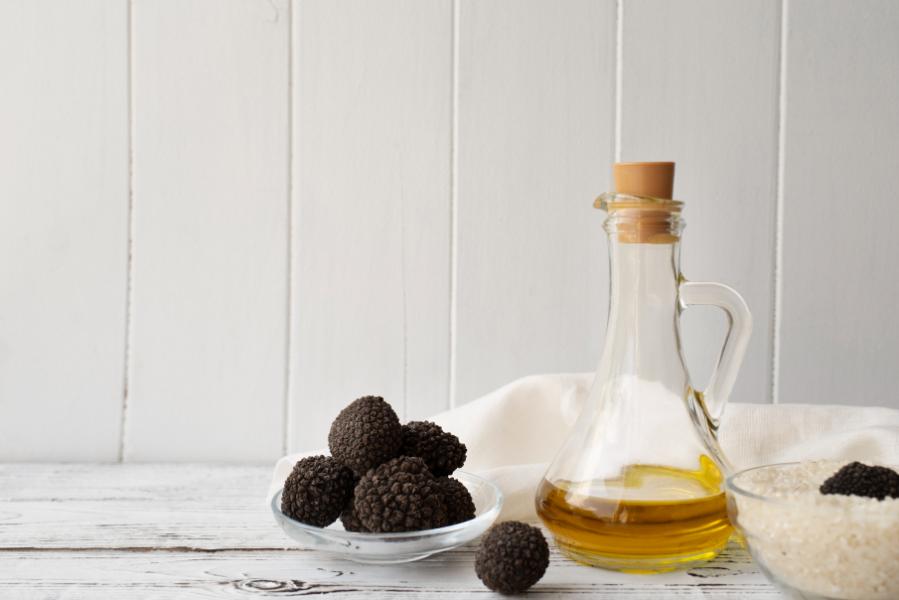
(203, 507)
(110, 574)
(839, 329)
(198, 531)
(371, 213)
(210, 248)
(63, 228)
(700, 87)
(535, 137)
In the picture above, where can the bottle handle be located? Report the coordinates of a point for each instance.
(692, 293)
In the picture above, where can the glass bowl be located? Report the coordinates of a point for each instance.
(389, 548)
(816, 546)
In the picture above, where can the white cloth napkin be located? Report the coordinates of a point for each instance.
(513, 433)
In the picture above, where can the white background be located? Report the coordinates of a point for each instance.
(221, 220)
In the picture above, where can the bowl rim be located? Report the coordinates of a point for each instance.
(490, 514)
(732, 486)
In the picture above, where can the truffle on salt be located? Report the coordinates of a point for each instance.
(857, 479)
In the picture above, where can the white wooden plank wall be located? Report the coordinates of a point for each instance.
(323, 199)
(839, 325)
(63, 227)
(535, 135)
(700, 87)
(371, 260)
(210, 231)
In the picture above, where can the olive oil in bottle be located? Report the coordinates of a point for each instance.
(652, 519)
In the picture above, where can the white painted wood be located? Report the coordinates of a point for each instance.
(700, 87)
(371, 210)
(110, 574)
(535, 141)
(137, 506)
(234, 548)
(63, 228)
(365, 90)
(839, 327)
(209, 309)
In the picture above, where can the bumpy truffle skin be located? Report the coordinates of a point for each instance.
(441, 450)
(459, 505)
(857, 479)
(513, 556)
(350, 521)
(365, 434)
(400, 495)
(317, 490)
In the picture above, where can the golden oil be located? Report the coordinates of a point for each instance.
(652, 519)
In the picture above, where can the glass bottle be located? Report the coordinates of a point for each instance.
(637, 486)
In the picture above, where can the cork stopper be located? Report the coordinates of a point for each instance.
(650, 219)
(653, 179)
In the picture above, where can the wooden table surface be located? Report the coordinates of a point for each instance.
(204, 531)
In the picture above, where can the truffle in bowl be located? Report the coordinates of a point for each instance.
(821, 530)
(398, 547)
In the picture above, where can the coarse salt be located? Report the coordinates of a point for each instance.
(832, 545)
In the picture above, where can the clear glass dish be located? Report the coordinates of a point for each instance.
(388, 548)
(814, 546)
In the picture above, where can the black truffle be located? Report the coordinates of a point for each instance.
(400, 495)
(317, 490)
(513, 556)
(441, 450)
(350, 521)
(459, 505)
(857, 479)
(365, 434)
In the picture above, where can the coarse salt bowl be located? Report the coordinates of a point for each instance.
(390, 548)
(816, 546)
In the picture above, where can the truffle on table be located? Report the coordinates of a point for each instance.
(365, 434)
(512, 557)
(400, 495)
(442, 451)
(316, 490)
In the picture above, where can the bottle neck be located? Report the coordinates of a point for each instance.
(642, 336)
(644, 257)
(643, 283)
